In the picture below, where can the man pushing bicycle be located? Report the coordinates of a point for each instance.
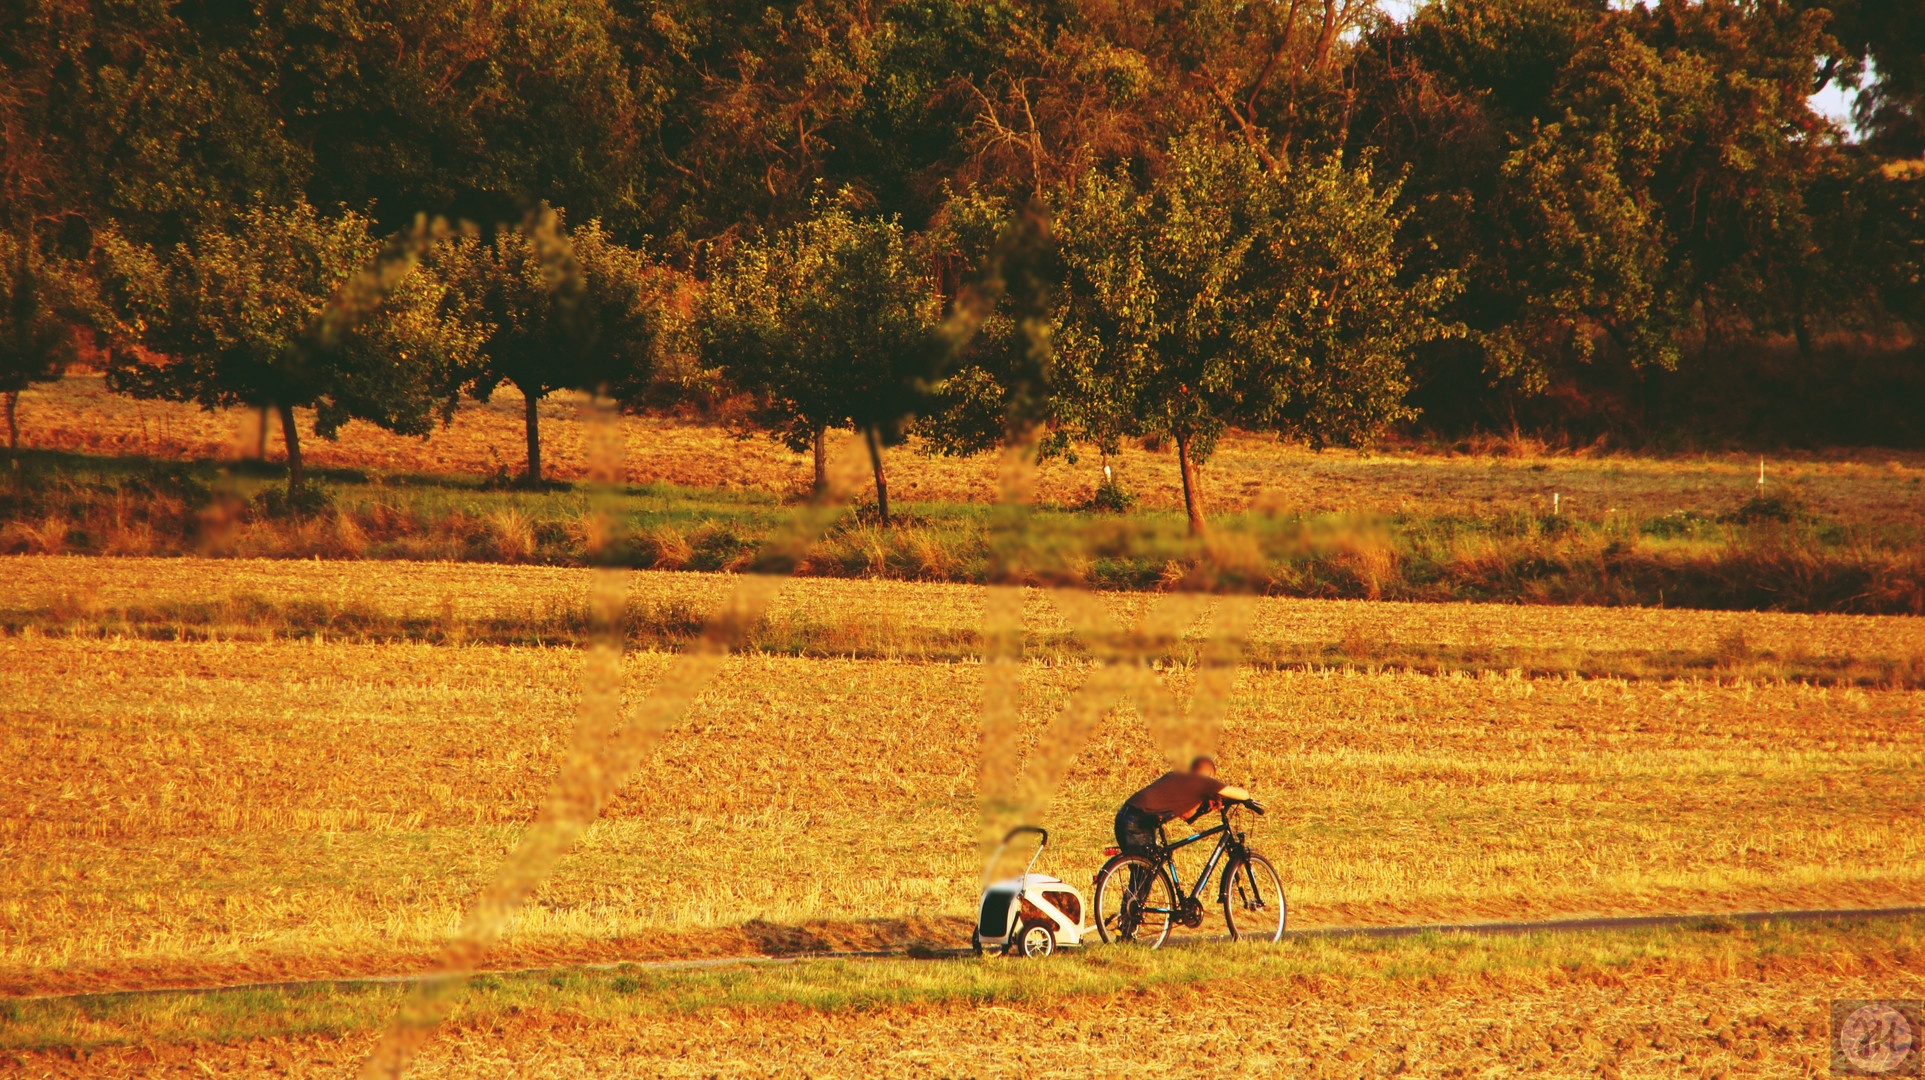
(1139, 897)
(1170, 796)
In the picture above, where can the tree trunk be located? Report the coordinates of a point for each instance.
(1651, 389)
(882, 485)
(296, 476)
(260, 436)
(1704, 316)
(13, 420)
(531, 417)
(1192, 485)
(1801, 327)
(821, 460)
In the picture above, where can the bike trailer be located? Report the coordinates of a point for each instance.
(1029, 915)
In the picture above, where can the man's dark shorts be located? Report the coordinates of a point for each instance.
(1136, 830)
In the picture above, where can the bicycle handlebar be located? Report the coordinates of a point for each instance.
(1249, 804)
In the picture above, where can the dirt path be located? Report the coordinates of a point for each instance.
(1631, 922)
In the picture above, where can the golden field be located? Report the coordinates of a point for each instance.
(1870, 488)
(180, 812)
(1724, 1002)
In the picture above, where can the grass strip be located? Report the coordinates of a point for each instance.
(1730, 950)
(1761, 555)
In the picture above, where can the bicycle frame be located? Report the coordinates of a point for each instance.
(1227, 842)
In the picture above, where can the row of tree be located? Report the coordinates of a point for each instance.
(980, 220)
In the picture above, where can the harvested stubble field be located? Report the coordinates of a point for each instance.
(180, 812)
(1714, 1002)
(1868, 488)
(259, 599)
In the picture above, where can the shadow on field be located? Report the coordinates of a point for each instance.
(912, 935)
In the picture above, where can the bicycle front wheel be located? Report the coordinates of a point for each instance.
(1253, 903)
(1134, 902)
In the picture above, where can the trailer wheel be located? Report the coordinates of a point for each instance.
(1034, 940)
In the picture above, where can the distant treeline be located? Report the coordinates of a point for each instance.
(1052, 220)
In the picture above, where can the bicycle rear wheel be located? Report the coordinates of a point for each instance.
(1253, 903)
(1134, 902)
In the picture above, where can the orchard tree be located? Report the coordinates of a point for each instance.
(291, 310)
(556, 311)
(1225, 292)
(996, 332)
(832, 323)
(36, 339)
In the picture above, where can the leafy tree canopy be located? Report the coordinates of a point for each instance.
(288, 309)
(1230, 293)
(556, 310)
(40, 299)
(831, 321)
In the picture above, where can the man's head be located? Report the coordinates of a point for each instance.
(1203, 765)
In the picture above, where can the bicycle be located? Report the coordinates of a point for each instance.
(1137, 891)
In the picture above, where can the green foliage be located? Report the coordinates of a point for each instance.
(1882, 228)
(155, 118)
(1227, 293)
(1880, 49)
(831, 322)
(1761, 509)
(168, 119)
(1619, 190)
(1587, 228)
(999, 329)
(1111, 496)
(1677, 523)
(305, 501)
(37, 298)
(482, 112)
(290, 309)
(1615, 183)
(556, 311)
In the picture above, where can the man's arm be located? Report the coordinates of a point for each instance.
(1228, 793)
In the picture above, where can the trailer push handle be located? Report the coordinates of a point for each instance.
(1011, 835)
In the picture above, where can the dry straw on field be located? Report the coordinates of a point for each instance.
(204, 810)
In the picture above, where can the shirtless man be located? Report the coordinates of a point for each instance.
(1172, 795)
